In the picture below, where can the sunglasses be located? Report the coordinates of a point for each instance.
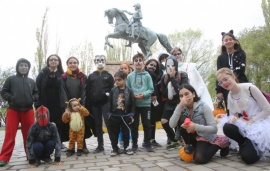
(177, 54)
(138, 60)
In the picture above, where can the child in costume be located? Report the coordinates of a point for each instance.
(43, 139)
(74, 115)
(21, 92)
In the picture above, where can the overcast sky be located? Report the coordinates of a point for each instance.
(76, 21)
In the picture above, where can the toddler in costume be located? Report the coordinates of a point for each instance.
(74, 115)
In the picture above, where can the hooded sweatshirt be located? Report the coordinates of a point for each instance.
(179, 79)
(19, 90)
(141, 83)
(161, 66)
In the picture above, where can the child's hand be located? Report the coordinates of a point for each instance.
(58, 163)
(154, 98)
(67, 112)
(190, 127)
(139, 96)
(132, 120)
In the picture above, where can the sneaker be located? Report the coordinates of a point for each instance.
(85, 151)
(173, 145)
(116, 152)
(37, 162)
(143, 144)
(113, 153)
(79, 152)
(48, 160)
(98, 149)
(2, 163)
(134, 148)
(70, 153)
(148, 147)
(169, 141)
(233, 150)
(224, 152)
(121, 144)
(128, 152)
(63, 148)
(155, 144)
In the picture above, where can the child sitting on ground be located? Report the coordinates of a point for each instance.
(74, 115)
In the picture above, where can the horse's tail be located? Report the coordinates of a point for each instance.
(164, 41)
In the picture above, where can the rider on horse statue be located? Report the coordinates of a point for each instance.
(135, 20)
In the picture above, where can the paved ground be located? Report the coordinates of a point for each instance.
(161, 159)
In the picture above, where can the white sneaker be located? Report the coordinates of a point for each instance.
(63, 148)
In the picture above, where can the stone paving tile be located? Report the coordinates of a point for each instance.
(200, 168)
(174, 168)
(132, 168)
(153, 169)
(160, 159)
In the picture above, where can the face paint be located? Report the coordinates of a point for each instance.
(42, 116)
(152, 66)
(170, 65)
(100, 61)
(23, 68)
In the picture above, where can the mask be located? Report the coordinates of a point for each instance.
(170, 65)
(23, 68)
(100, 61)
(42, 116)
(163, 63)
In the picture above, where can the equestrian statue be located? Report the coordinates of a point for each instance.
(133, 31)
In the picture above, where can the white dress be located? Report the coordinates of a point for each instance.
(195, 79)
(258, 110)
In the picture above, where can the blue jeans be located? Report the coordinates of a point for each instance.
(43, 150)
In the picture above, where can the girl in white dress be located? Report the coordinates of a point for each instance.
(249, 121)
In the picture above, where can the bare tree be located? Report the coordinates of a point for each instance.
(195, 49)
(42, 48)
(84, 52)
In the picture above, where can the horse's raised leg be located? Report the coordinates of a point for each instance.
(107, 42)
(141, 46)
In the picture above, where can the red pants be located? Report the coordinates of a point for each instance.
(14, 117)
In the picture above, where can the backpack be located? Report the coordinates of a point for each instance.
(266, 95)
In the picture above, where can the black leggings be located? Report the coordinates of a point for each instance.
(204, 151)
(247, 151)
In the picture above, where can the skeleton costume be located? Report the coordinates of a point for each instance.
(99, 85)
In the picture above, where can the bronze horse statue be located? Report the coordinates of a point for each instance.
(143, 36)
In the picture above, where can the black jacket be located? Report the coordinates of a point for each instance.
(239, 66)
(82, 77)
(179, 79)
(41, 82)
(129, 100)
(19, 90)
(97, 85)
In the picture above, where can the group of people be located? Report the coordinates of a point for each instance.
(71, 107)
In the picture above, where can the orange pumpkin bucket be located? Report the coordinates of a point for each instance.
(186, 153)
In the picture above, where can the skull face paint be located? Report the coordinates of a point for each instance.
(100, 61)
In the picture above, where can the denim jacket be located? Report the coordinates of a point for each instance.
(202, 116)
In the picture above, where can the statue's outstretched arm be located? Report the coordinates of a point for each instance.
(130, 13)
